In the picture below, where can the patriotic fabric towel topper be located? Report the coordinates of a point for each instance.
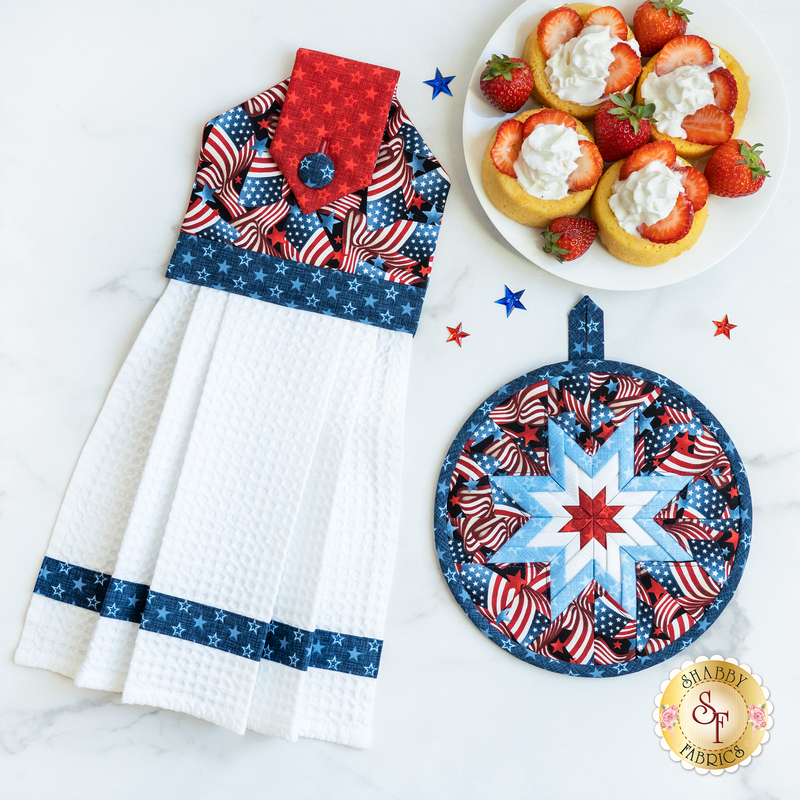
(322, 171)
(225, 547)
(592, 518)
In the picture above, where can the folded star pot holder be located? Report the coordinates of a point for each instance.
(592, 517)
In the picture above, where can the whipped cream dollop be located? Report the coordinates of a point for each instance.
(645, 196)
(547, 158)
(680, 93)
(578, 70)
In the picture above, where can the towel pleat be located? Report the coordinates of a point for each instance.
(111, 646)
(93, 516)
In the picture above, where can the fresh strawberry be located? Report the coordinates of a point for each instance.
(735, 169)
(694, 184)
(620, 127)
(568, 238)
(611, 18)
(589, 168)
(547, 116)
(674, 226)
(726, 92)
(660, 150)
(507, 82)
(684, 51)
(709, 125)
(658, 21)
(506, 146)
(557, 27)
(624, 70)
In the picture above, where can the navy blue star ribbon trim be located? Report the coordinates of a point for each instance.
(369, 299)
(340, 652)
(125, 600)
(357, 655)
(288, 645)
(586, 335)
(206, 625)
(212, 627)
(70, 584)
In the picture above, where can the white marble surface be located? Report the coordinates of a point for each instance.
(103, 105)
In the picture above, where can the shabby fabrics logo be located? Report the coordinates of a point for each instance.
(713, 715)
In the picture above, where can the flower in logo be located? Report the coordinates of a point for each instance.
(668, 717)
(757, 716)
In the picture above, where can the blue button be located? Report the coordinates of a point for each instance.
(316, 170)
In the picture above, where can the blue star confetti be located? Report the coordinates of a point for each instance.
(511, 301)
(440, 84)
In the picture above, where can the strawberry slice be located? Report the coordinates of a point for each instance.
(684, 51)
(547, 116)
(726, 92)
(624, 69)
(610, 17)
(694, 184)
(674, 226)
(709, 125)
(660, 150)
(557, 27)
(507, 146)
(589, 168)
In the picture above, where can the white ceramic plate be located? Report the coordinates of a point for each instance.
(730, 221)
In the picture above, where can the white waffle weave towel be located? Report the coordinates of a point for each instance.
(226, 546)
(242, 487)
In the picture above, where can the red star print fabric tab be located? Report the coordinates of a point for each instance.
(337, 107)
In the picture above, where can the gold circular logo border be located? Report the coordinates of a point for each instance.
(713, 715)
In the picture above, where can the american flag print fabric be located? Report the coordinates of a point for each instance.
(592, 518)
(244, 229)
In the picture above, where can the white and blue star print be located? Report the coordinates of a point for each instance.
(621, 528)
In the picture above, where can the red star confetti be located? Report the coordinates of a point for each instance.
(724, 327)
(456, 334)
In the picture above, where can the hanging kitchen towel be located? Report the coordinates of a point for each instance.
(315, 212)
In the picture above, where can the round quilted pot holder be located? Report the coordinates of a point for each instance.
(592, 517)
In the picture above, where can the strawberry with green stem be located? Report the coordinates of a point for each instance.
(620, 126)
(568, 238)
(507, 82)
(656, 22)
(735, 169)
